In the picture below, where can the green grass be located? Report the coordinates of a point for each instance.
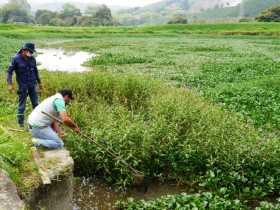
(16, 31)
(15, 148)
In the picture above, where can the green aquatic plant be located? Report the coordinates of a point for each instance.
(183, 201)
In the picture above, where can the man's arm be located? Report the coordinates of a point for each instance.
(38, 76)
(69, 122)
(57, 129)
(37, 73)
(60, 107)
(10, 72)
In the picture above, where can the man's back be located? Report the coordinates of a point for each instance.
(38, 119)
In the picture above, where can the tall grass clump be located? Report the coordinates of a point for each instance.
(127, 90)
(16, 160)
(168, 133)
(118, 59)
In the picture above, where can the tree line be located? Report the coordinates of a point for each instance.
(20, 11)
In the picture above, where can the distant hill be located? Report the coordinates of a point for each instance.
(156, 13)
(247, 8)
(202, 5)
(162, 11)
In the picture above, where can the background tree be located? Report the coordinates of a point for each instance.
(270, 15)
(44, 17)
(178, 19)
(70, 10)
(103, 16)
(91, 10)
(16, 11)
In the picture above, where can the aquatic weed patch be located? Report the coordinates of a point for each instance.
(118, 59)
(259, 100)
(249, 88)
(185, 202)
(213, 74)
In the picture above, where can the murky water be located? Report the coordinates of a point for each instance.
(61, 60)
(95, 195)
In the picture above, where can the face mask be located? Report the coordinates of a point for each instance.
(29, 54)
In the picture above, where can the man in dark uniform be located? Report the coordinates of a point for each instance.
(27, 76)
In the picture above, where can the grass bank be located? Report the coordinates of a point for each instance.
(15, 147)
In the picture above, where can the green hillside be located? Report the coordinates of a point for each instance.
(248, 8)
(157, 13)
(162, 12)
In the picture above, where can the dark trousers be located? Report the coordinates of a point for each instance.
(23, 92)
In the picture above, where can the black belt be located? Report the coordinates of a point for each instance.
(30, 127)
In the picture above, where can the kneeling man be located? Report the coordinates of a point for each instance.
(46, 131)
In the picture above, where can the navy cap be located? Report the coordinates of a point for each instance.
(29, 46)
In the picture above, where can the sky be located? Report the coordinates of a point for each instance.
(126, 3)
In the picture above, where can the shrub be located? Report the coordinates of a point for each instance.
(118, 59)
(167, 133)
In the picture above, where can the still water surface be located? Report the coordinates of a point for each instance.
(61, 60)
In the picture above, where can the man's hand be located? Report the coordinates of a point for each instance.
(77, 130)
(69, 122)
(40, 87)
(11, 88)
(62, 135)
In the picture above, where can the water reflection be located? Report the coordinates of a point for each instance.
(60, 60)
(95, 195)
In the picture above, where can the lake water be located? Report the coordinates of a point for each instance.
(61, 60)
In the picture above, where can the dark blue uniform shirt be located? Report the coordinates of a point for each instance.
(26, 71)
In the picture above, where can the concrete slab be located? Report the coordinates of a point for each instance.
(9, 199)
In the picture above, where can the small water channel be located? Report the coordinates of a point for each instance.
(94, 194)
(60, 60)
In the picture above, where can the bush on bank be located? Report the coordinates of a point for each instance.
(167, 133)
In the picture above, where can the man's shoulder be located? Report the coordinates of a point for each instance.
(17, 56)
(33, 59)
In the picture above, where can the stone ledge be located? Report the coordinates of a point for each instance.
(53, 164)
(9, 199)
(56, 190)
